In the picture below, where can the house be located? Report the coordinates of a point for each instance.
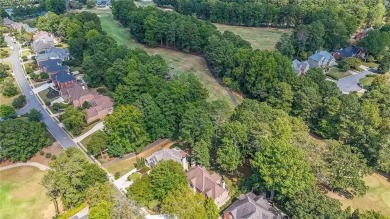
(63, 79)
(100, 106)
(209, 184)
(321, 59)
(76, 95)
(42, 42)
(52, 66)
(347, 52)
(250, 206)
(300, 67)
(174, 154)
(8, 22)
(26, 27)
(53, 53)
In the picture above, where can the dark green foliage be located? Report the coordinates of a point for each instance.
(166, 177)
(21, 139)
(73, 120)
(384, 65)
(141, 191)
(98, 143)
(34, 115)
(56, 6)
(19, 102)
(7, 111)
(8, 88)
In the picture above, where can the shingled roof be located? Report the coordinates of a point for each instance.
(205, 182)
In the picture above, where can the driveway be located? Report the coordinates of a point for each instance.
(350, 83)
(32, 102)
(42, 87)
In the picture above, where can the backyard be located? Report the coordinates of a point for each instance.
(376, 198)
(22, 195)
(180, 62)
(260, 37)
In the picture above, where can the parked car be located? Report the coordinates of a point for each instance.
(31, 93)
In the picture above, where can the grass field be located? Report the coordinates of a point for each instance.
(337, 74)
(366, 81)
(180, 62)
(22, 196)
(260, 37)
(376, 198)
(8, 100)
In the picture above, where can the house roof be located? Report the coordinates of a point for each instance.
(42, 41)
(53, 53)
(53, 65)
(349, 51)
(250, 206)
(99, 103)
(62, 77)
(205, 182)
(29, 29)
(75, 92)
(166, 154)
(7, 21)
(320, 55)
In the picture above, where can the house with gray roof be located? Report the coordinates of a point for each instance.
(42, 42)
(300, 67)
(174, 154)
(52, 66)
(321, 59)
(53, 53)
(8, 22)
(250, 206)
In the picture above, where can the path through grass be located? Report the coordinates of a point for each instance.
(22, 195)
(260, 37)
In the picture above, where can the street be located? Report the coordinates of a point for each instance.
(32, 102)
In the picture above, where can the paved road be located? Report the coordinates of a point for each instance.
(350, 83)
(32, 101)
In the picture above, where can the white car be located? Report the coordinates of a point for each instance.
(31, 93)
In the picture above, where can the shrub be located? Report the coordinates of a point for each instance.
(47, 103)
(42, 153)
(144, 170)
(139, 162)
(48, 155)
(69, 213)
(153, 205)
(102, 90)
(117, 175)
(371, 75)
(43, 75)
(29, 70)
(53, 157)
(19, 102)
(371, 58)
(24, 58)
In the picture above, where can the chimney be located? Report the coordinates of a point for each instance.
(223, 184)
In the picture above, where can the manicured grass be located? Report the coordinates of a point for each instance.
(366, 81)
(260, 37)
(26, 53)
(370, 64)
(22, 195)
(337, 74)
(180, 62)
(376, 198)
(43, 93)
(86, 140)
(134, 176)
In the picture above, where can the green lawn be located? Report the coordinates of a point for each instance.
(86, 140)
(260, 37)
(22, 195)
(26, 53)
(377, 197)
(134, 176)
(337, 74)
(366, 81)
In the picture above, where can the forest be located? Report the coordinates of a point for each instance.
(275, 122)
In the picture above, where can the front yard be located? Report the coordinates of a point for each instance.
(48, 95)
(337, 74)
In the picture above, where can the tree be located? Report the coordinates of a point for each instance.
(51, 184)
(56, 6)
(384, 65)
(34, 115)
(167, 177)
(375, 43)
(100, 211)
(19, 102)
(8, 88)
(284, 46)
(98, 143)
(312, 204)
(202, 153)
(212, 211)
(20, 139)
(185, 204)
(90, 3)
(7, 111)
(73, 119)
(99, 192)
(274, 159)
(141, 191)
(228, 156)
(370, 214)
(125, 129)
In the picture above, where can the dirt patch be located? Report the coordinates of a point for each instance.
(54, 149)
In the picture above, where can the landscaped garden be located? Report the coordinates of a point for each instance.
(49, 94)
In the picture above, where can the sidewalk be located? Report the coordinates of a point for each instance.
(97, 127)
(31, 164)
